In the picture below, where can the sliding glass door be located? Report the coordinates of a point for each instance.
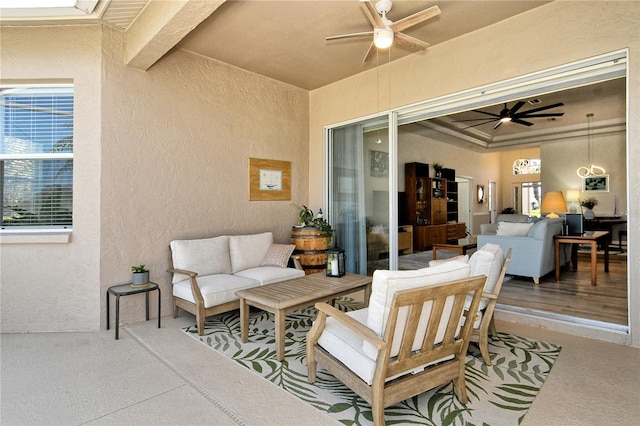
(359, 192)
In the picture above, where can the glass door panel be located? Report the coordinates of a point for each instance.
(359, 193)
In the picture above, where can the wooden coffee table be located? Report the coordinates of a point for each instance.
(461, 246)
(286, 296)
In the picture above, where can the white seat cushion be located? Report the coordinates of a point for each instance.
(270, 274)
(347, 347)
(205, 256)
(386, 283)
(247, 251)
(488, 261)
(216, 289)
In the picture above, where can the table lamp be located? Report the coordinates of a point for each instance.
(552, 202)
(573, 196)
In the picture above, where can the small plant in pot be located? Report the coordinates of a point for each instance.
(140, 275)
(589, 204)
(438, 168)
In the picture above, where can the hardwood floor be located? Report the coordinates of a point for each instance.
(574, 295)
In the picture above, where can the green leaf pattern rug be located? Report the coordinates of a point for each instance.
(499, 394)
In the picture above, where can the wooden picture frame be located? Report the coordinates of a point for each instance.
(269, 180)
(595, 184)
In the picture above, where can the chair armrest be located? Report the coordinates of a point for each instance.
(296, 262)
(195, 288)
(351, 324)
(183, 272)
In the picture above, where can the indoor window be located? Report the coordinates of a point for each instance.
(36, 156)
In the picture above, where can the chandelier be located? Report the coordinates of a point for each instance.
(520, 165)
(591, 170)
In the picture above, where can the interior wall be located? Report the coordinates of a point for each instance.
(586, 29)
(55, 287)
(560, 163)
(506, 183)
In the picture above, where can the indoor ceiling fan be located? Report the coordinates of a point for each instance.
(512, 115)
(385, 31)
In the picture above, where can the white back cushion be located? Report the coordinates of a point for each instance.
(488, 260)
(247, 251)
(386, 283)
(206, 256)
(513, 229)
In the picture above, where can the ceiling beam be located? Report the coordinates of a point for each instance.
(160, 26)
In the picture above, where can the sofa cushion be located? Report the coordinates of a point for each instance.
(488, 261)
(205, 256)
(513, 229)
(216, 289)
(346, 346)
(386, 283)
(270, 274)
(247, 251)
(462, 258)
(278, 255)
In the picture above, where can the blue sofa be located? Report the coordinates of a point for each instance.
(532, 255)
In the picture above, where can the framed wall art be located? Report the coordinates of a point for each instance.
(379, 163)
(596, 184)
(269, 180)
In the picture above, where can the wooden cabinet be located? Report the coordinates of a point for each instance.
(431, 206)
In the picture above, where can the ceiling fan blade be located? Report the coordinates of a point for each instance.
(475, 119)
(479, 124)
(487, 113)
(559, 104)
(516, 107)
(498, 124)
(524, 115)
(372, 14)
(416, 18)
(337, 37)
(372, 51)
(524, 123)
(413, 42)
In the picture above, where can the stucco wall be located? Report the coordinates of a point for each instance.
(159, 155)
(548, 36)
(176, 146)
(54, 287)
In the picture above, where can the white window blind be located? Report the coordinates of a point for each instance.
(36, 156)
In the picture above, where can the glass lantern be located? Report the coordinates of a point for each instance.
(335, 262)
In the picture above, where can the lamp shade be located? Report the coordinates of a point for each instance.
(553, 202)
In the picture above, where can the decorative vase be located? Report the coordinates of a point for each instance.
(588, 214)
(140, 278)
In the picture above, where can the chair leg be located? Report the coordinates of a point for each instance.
(492, 328)
(176, 311)
(377, 411)
(311, 366)
(200, 320)
(460, 386)
(483, 342)
(536, 280)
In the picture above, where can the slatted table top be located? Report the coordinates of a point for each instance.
(307, 289)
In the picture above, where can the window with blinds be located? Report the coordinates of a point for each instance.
(36, 156)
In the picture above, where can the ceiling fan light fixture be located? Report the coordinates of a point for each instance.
(383, 38)
(505, 119)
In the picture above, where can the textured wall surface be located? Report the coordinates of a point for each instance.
(159, 155)
(552, 35)
(54, 287)
(176, 146)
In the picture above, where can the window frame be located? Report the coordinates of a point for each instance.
(48, 232)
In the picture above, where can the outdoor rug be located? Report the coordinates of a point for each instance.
(499, 394)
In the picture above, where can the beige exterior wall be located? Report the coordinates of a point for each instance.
(548, 36)
(51, 287)
(159, 155)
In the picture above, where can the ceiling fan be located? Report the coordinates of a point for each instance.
(385, 31)
(512, 115)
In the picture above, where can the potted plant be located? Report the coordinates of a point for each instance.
(305, 216)
(140, 275)
(438, 168)
(589, 204)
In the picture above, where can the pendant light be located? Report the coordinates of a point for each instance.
(591, 170)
